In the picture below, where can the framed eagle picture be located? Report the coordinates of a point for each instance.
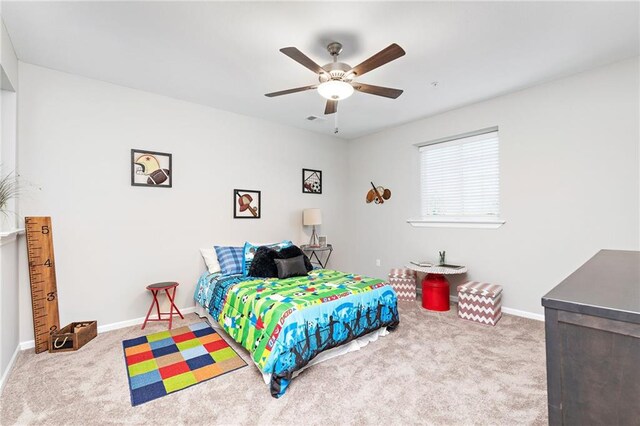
(150, 168)
(311, 181)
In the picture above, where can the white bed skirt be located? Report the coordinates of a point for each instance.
(352, 346)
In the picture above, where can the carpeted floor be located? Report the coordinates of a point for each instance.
(435, 369)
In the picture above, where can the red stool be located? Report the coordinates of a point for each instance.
(155, 289)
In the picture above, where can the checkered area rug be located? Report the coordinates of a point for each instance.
(169, 361)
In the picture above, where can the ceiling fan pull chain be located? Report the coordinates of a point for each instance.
(335, 130)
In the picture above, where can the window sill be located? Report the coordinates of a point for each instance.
(9, 236)
(453, 222)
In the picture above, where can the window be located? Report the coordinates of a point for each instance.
(460, 181)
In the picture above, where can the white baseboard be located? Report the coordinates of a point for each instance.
(511, 311)
(128, 323)
(524, 314)
(109, 327)
(7, 371)
(28, 344)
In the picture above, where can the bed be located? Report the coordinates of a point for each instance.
(288, 324)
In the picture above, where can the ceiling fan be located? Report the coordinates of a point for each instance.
(337, 79)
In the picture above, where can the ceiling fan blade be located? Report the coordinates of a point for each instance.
(387, 92)
(286, 92)
(302, 59)
(331, 108)
(386, 55)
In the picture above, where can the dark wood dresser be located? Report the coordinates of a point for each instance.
(592, 324)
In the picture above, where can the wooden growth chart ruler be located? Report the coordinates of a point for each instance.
(42, 275)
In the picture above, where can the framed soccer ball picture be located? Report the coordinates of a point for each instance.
(311, 181)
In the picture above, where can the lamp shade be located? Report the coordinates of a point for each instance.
(311, 217)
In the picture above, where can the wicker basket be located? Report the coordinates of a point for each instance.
(73, 336)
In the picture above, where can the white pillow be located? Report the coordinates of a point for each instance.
(210, 259)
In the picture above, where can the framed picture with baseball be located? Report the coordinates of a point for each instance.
(150, 168)
(311, 181)
(246, 204)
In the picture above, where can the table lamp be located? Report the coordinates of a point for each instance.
(312, 217)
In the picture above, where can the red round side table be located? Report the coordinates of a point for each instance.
(155, 289)
(435, 287)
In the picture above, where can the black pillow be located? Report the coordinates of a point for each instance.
(264, 265)
(295, 251)
(292, 267)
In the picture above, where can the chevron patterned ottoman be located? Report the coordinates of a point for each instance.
(403, 282)
(480, 302)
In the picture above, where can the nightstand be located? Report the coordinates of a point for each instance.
(322, 250)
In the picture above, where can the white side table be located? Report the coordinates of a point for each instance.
(437, 270)
(437, 298)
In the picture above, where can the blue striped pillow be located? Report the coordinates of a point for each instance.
(230, 259)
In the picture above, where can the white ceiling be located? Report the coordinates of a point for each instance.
(226, 54)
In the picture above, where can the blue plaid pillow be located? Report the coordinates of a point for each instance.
(230, 259)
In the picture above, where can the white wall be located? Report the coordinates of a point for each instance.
(9, 308)
(112, 239)
(8, 152)
(8, 59)
(8, 246)
(569, 185)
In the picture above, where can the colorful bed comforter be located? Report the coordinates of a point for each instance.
(286, 323)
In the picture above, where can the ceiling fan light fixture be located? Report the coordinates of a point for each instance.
(335, 90)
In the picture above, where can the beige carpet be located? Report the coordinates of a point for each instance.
(435, 369)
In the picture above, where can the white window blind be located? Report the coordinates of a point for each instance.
(461, 178)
